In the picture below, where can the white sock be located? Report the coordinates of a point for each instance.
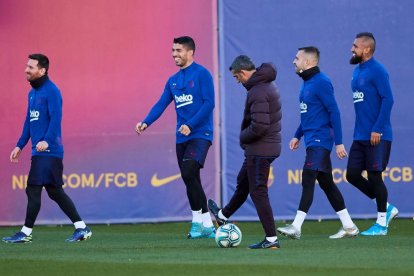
(381, 219)
(271, 239)
(345, 218)
(220, 215)
(26, 230)
(197, 218)
(79, 224)
(207, 222)
(299, 219)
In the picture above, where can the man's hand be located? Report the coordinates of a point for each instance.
(340, 151)
(375, 138)
(140, 127)
(184, 130)
(294, 143)
(14, 155)
(42, 146)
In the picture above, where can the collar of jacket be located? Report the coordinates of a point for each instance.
(309, 73)
(39, 81)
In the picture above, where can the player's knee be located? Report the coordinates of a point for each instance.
(54, 193)
(34, 194)
(33, 191)
(189, 169)
(375, 177)
(352, 175)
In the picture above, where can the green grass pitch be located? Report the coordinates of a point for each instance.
(163, 249)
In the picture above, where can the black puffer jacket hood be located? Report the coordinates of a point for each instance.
(265, 73)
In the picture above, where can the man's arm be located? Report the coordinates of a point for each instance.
(159, 107)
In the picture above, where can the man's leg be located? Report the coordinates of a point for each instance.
(191, 157)
(57, 194)
(354, 176)
(258, 173)
(334, 195)
(34, 193)
(376, 161)
(331, 191)
(190, 172)
(34, 197)
(293, 230)
(356, 164)
(240, 194)
(314, 159)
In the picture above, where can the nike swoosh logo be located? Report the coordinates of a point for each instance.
(157, 182)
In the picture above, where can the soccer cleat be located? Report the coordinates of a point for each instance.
(215, 211)
(375, 230)
(19, 237)
(208, 232)
(196, 230)
(265, 244)
(80, 234)
(290, 231)
(392, 212)
(346, 233)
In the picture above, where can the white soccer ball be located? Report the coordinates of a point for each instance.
(228, 235)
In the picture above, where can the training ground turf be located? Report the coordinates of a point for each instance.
(163, 249)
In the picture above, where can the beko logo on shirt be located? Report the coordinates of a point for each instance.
(358, 96)
(34, 115)
(183, 100)
(303, 107)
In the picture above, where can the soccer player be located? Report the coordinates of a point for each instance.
(371, 147)
(192, 91)
(320, 124)
(43, 127)
(260, 139)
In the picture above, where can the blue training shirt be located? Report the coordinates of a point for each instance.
(43, 120)
(320, 118)
(373, 100)
(192, 91)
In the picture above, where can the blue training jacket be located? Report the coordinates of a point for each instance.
(373, 100)
(192, 91)
(319, 113)
(43, 120)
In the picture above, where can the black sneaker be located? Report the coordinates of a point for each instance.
(214, 209)
(265, 244)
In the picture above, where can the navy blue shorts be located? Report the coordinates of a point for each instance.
(46, 170)
(364, 156)
(194, 149)
(318, 159)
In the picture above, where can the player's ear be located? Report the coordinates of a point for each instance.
(42, 71)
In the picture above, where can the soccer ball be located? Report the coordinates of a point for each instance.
(228, 235)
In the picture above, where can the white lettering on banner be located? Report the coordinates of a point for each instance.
(84, 181)
(393, 174)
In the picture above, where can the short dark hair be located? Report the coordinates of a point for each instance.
(187, 41)
(311, 50)
(242, 62)
(43, 61)
(370, 36)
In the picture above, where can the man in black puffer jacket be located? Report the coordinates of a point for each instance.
(260, 139)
